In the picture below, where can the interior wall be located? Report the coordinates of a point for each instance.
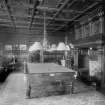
(71, 35)
(56, 37)
(26, 36)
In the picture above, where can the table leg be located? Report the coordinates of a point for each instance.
(71, 87)
(27, 86)
(28, 92)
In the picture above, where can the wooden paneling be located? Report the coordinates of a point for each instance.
(23, 36)
(89, 29)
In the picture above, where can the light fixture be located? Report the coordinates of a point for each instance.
(67, 48)
(71, 45)
(36, 46)
(61, 46)
(90, 48)
(53, 47)
(30, 49)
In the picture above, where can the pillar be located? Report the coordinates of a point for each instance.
(90, 27)
(76, 58)
(102, 57)
(101, 19)
(101, 61)
(83, 33)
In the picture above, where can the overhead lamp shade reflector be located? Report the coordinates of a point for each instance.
(67, 48)
(36, 46)
(30, 49)
(61, 47)
(53, 47)
(71, 45)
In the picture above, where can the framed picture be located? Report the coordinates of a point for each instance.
(8, 47)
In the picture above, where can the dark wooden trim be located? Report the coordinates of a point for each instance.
(90, 40)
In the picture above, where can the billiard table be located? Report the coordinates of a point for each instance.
(46, 79)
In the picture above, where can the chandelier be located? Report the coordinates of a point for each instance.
(37, 45)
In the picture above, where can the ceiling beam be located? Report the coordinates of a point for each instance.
(37, 17)
(43, 8)
(36, 23)
(98, 0)
(61, 8)
(76, 17)
(33, 13)
(49, 10)
(86, 10)
(25, 27)
(7, 25)
(9, 13)
(4, 21)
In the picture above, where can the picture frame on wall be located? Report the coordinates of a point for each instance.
(8, 47)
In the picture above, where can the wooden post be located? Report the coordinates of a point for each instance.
(25, 67)
(82, 26)
(101, 60)
(90, 27)
(26, 79)
(42, 55)
(102, 57)
(103, 79)
(101, 19)
(76, 58)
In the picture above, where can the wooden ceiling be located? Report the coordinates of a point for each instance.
(29, 14)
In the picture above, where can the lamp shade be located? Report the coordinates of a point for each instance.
(30, 49)
(61, 47)
(53, 47)
(71, 45)
(67, 48)
(36, 46)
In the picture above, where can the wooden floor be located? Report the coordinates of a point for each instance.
(13, 92)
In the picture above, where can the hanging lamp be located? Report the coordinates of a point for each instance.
(36, 46)
(61, 46)
(52, 48)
